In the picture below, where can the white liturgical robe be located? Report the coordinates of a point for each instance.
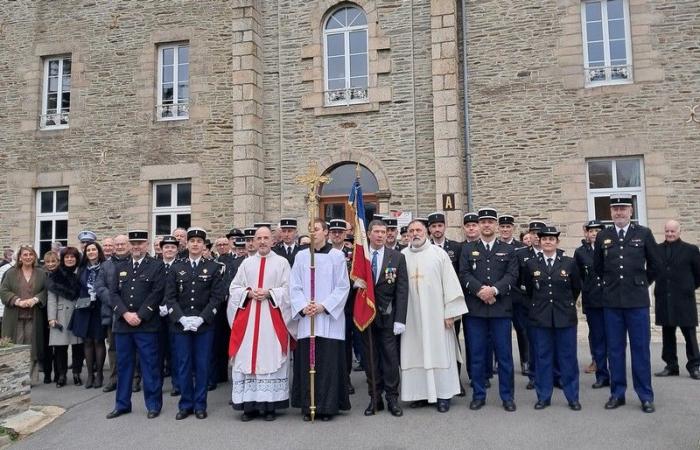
(429, 349)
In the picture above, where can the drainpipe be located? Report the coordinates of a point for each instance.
(467, 150)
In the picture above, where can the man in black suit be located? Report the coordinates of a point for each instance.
(379, 339)
(488, 272)
(436, 227)
(626, 258)
(288, 247)
(675, 305)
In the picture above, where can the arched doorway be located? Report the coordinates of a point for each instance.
(334, 195)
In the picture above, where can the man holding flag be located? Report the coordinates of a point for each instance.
(380, 346)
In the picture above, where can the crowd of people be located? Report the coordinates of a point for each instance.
(252, 309)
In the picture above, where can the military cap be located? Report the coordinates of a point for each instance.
(506, 219)
(536, 226)
(262, 224)
(436, 217)
(423, 220)
(194, 232)
(138, 235)
(470, 217)
(249, 232)
(621, 200)
(391, 222)
(288, 222)
(234, 232)
(168, 240)
(337, 224)
(592, 224)
(404, 229)
(239, 242)
(548, 231)
(87, 236)
(488, 213)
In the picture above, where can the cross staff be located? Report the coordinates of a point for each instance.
(312, 181)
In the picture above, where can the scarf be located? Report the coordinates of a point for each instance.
(64, 282)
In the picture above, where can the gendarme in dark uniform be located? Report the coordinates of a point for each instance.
(194, 291)
(592, 301)
(288, 250)
(489, 268)
(626, 259)
(553, 286)
(392, 229)
(139, 291)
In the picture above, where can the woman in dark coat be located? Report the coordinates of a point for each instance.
(63, 290)
(23, 292)
(87, 322)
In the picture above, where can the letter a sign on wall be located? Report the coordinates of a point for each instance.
(448, 202)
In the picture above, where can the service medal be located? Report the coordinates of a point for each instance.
(475, 253)
(204, 271)
(607, 241)
(537, 273)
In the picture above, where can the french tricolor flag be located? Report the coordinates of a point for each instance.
(361, 270)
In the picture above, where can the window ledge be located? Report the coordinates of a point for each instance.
(53, 128)
(332, 110)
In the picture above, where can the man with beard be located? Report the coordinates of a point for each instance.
(391, 234)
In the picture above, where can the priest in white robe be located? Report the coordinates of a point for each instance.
(332, 286)
(429, 348)
(258, 309)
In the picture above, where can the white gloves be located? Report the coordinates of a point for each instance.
(163, 310)
(191, 323)
(399, 328)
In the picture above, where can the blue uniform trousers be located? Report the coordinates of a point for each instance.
(620, 322)
(193, 358)
(146, 344)
(596, 338)
(564, 341)
(479, 330)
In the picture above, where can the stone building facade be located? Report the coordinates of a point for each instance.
(258, 114)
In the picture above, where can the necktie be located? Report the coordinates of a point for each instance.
(621, 233)
(289, 251)
(549, 263)
(194, 264)
(488, 247)
(136, 266)
(374, 264)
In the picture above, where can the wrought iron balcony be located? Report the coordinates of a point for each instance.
(173, 111)
(608, 74)
(54, 120)
(346, 96)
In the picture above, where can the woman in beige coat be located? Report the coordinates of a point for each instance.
(63, 290)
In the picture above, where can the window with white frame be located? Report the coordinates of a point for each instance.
(55, 101)
(607, 46)
(345, 56)
(607, 177)
(173, 82)
(172, 206)
(51, 219)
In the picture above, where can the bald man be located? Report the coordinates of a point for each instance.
(675, 305)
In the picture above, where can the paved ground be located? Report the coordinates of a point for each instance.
(675, 425)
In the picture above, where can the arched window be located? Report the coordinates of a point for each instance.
(334, 195)
(345, 56)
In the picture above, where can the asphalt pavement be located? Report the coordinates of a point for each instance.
(675, 425)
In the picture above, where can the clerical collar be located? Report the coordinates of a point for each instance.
(325, 249)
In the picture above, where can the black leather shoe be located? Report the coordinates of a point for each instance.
(200, 414)
(174, 392)
(183, 414)
(136, 387)
(394, 409)
(61, 381)
(325, 417)
(600, 384)
(530, 385)
(109, 388)
(153, 414)
(270, 417)
(306, 417)
(575, 406)
(476, 404)
(509, 405)
(695, 374)
(648, 407)
(443, 405)
(418, 404)
(542, 404)
(667, 373)
(117, 413)
(371, 411)
(614, 403)
(76, 379)
(47, 379)
(245, 417)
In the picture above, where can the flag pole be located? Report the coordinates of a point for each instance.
(312, 181)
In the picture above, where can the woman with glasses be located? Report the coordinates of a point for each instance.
(23, 292)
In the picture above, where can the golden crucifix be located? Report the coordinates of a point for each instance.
(312, 180)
